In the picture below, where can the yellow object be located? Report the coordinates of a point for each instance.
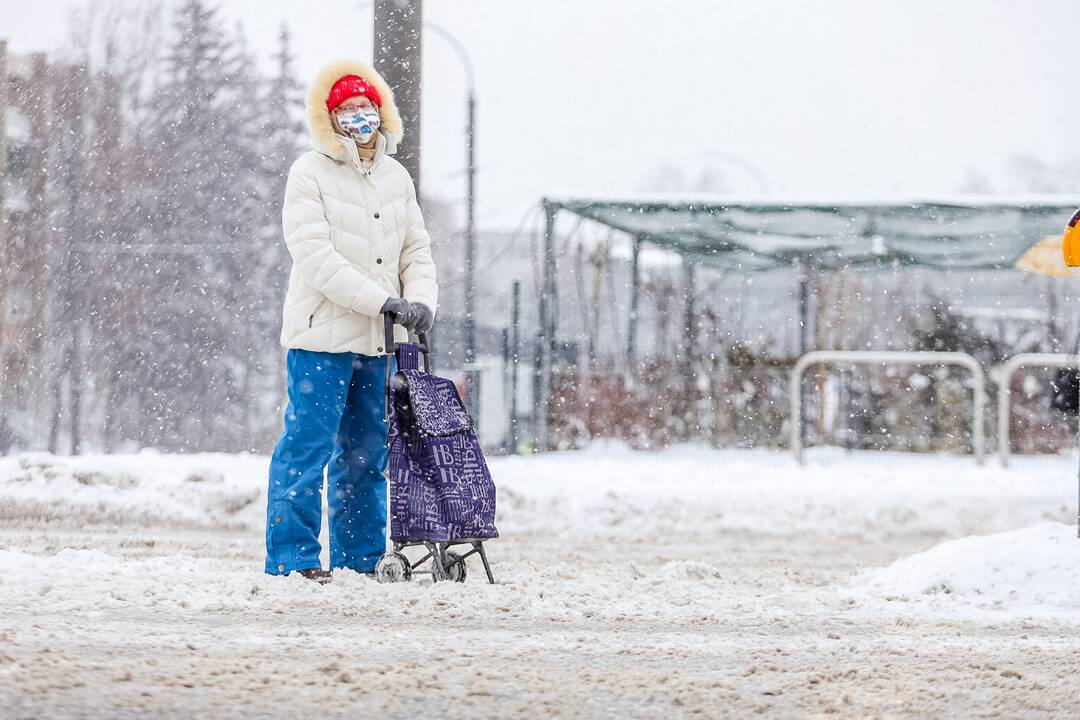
(1045, 258)
(1071, 243)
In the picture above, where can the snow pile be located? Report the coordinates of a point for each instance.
(610, 490)
(1032, 571)
(605, 491)
(147, 488)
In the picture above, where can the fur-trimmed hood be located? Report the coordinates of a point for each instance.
(318, 117)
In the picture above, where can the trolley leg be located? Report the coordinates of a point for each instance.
(438, 562)
(483, 558)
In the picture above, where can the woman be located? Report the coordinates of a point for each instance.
(359, 248)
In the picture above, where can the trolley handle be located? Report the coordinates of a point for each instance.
(391, 345)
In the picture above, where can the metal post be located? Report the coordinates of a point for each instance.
(470, 238)
(504, 341)
(848, 385)
(978, 402)
(398, 59)
(547, 329)
(3, 226)
(804, 343)
(75, 289)
(470, 258)
(690, 328)
(978, 439)
(635, 299)
(515, 339)
(804, 311)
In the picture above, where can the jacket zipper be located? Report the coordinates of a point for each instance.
(311, 317)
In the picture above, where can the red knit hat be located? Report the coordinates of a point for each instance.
(346, 87)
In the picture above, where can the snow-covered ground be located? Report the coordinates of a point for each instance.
(688, 582)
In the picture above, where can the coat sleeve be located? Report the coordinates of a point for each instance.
(417, 267)
(307, 235)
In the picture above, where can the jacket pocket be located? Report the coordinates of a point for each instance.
(311, 317)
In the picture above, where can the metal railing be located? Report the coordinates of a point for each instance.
(856, 357)
(1008, 369)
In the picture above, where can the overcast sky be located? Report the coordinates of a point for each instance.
(824, 96)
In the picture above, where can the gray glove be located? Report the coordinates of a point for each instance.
(420, 317)
(396, 308)
(415, 317)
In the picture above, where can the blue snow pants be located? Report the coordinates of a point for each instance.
(334, 420)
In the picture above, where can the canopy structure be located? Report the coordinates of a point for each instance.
(751, 234)
(969, 232)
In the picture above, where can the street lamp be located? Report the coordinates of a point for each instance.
(470, 196)
(456, 45)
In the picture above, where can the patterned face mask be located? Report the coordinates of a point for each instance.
(359, 123)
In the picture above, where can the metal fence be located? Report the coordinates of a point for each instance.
(978, 385)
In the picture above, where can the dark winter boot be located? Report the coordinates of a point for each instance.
(318, 575)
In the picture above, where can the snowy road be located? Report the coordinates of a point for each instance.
(685, 583)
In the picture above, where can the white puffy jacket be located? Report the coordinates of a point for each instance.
(356, 235)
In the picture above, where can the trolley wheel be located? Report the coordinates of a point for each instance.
(393, 567)
(455, 567)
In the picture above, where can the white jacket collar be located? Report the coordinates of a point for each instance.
(384, 145)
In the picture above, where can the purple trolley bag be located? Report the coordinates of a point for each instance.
(439, 491)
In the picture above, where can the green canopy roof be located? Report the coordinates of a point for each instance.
(762, 233)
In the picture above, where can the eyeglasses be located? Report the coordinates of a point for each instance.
(346, 108)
